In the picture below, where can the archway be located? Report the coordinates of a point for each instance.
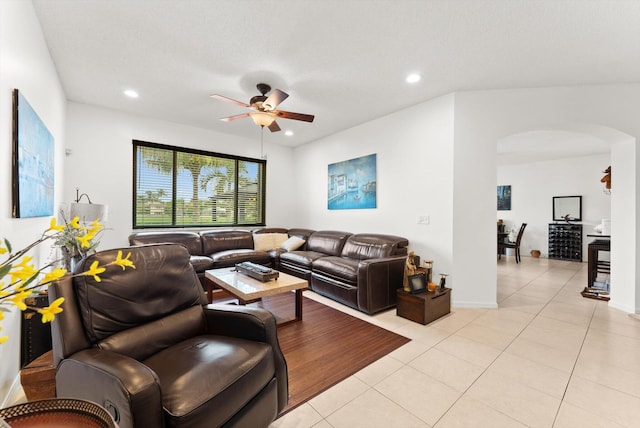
(558, 153)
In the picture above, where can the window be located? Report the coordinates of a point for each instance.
(177, 187)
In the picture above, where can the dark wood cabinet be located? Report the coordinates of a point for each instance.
(36, 335)
(565, 241)
(423, 307)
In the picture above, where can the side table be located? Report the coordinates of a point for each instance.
(38, 378)
(423, 307)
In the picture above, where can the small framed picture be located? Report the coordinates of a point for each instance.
(417, 283)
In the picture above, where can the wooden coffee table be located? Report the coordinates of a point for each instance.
(247, 289)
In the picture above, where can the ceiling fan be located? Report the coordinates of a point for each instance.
(264, 108)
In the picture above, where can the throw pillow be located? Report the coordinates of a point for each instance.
(262, 241)
(293, 243)
(279, 239)
(268, 241)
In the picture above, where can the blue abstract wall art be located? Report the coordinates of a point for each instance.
(352, 184)
(33, 162)
(504, 198)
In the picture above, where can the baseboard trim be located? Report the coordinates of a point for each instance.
(473, 305)
(614, 303)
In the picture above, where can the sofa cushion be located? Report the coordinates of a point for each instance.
(145, 340)
(231, 257)
(301, 258)
(364, 246)
(214, 241)
(292, 243)
(275, 253)
(341, 268)
(191, 240)
(215, 375)
(329, 242)
(201, 263)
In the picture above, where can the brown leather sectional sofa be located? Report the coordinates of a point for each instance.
(360, 270)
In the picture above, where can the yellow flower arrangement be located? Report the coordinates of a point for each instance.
(24, 279)
(74, 239)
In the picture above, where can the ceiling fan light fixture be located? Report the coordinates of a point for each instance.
(261, 118)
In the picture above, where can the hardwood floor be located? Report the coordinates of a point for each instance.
(326, 347)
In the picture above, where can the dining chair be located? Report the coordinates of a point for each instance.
(514, 245)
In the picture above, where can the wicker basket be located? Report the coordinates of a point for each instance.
(58, 412)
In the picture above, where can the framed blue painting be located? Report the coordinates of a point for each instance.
(33, 162)
(352, 184)
(504, 198)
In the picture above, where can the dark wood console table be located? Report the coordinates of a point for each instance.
(596, 266)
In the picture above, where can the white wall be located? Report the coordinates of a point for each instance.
(424, 169)
(414, 178)
(25, 65)
(625, 158)
(533, 185)
(484, 117)
(100, 163)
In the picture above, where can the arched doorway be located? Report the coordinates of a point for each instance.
(569, 159)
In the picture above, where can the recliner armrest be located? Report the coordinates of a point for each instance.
(240, 321)
(124, 386)
(255, 324)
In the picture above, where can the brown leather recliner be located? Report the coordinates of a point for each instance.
(141, 344)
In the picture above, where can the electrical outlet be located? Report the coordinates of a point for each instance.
(423, 219)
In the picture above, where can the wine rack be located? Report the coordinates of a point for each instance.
(565, 241)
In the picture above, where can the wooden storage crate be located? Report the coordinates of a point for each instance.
(423, 307)
(38, 378)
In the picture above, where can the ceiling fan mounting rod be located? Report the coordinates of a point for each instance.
(263, 88)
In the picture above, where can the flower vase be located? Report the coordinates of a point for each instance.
(70, 260)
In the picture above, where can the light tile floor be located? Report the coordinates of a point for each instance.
(547, 357)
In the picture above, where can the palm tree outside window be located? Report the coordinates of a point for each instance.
(178, 187)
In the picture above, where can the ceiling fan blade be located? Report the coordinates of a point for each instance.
(229, 100)
(236, 117)
(274, 127)
(294, 116)
(276, 97)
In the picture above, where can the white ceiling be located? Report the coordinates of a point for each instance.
(343, 60)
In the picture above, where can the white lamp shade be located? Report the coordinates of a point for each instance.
(261, 118)
(88, 212)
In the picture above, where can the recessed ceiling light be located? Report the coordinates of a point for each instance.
(131, 93)
(288, 133)
(413, 78)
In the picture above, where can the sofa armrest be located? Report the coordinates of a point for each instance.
(122, 385)
(378, 280)
(255, 324)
